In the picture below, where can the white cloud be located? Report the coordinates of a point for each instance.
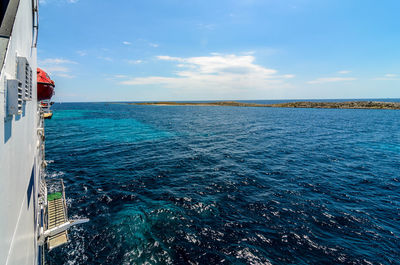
(169, 58)
(81, 53)
(120, 76)
(288, 76)
(344, 72)
(216, 74)
(65, 75)
(388, 77)
(115, 77)
(323, 80)
(56, 61)
(248, 53)
(134, 61)
(44, 2)
(204, 26)
(154, 45)
(126, 43)
(108, 59)
(57, 67)
(391, 75)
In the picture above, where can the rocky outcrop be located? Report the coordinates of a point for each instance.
(299, 104)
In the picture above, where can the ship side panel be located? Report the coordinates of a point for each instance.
(18, 152)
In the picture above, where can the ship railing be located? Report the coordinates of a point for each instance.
(41, 148)
(41, 138)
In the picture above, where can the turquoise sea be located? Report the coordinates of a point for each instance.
(227, 185)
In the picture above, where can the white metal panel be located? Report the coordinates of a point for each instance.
(18, 151)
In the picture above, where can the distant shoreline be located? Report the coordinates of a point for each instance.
(299, 104)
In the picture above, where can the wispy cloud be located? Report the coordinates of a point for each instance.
(344, 72)
(154, 45)
(323, 80)
(388, 77)
(120, 76)
(204, 26)
(134, 61)
(44, 2)
(126, 43)
(57, 67)
(391, 75)
(81, 53)
(115, 77)
(105, 58)
(215, 74)
(65, 75)
(56, 61)
(169, 58)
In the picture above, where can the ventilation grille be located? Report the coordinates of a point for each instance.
(24, 75)
(20, 98)
(19, 90)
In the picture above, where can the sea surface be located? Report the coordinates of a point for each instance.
(227, 185)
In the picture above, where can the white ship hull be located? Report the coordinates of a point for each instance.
(20, 142)
(30, 218)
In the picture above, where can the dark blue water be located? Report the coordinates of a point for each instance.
(227, 185)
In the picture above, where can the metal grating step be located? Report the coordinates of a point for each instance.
(56, 216)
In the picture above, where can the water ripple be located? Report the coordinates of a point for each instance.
(206, 185)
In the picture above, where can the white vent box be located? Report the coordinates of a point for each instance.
(14, 97)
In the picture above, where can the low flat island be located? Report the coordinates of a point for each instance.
(299, 104)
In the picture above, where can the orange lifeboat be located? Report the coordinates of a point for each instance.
(45, 86)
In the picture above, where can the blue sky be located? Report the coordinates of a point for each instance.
(128, 50)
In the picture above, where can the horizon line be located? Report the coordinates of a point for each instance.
(217, 100)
